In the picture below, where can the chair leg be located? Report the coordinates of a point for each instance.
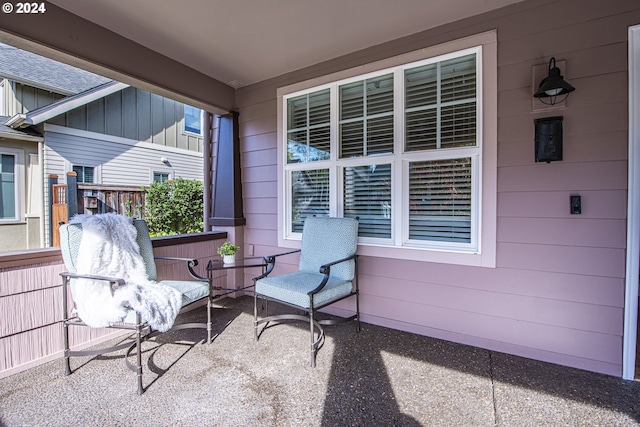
(67, 362)
(209, 324)
(313, 341)
(139, 353)
(357, 311)
(65, 328)
(255, 316)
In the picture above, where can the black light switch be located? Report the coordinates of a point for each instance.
(576, 205)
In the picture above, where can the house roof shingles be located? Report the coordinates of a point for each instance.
(20, 134)
(29, 68)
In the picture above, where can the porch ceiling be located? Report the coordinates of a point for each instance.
(246, 41)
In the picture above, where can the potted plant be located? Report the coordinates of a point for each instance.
(228, 252)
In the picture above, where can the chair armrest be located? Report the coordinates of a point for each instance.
(271, 263)
(326, 270)
(191, 263)
(115, 281)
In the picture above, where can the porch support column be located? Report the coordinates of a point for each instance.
(207, 172)
(227, 208)
(227, 196)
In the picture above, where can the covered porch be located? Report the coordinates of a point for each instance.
(377, 377)
(536, 324)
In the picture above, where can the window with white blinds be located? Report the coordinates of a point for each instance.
(400, 149)
(366, 117)
(440, 200)
(367, 196)
(309, 196)
(308, 127)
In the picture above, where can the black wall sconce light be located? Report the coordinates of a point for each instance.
(553, 86)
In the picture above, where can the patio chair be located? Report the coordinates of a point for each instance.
(327, 273)
(191, 292)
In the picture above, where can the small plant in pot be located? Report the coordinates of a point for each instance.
(228, 252)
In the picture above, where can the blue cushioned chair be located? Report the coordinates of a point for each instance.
(328, 272)
(192, 292)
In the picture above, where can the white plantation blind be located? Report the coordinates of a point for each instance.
(366, 117)
(310, 196)
(308, 127)
(367, 195)
(415, 187)
(440, 200)
(440, 101)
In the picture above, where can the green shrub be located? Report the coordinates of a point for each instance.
(174, 207)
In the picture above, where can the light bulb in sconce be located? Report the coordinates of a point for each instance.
(164, 160)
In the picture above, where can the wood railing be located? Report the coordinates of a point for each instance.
(31, 298)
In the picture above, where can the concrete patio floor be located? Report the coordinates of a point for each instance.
(379, 377)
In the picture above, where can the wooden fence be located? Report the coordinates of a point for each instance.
(125, 200)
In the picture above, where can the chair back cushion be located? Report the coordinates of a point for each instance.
(329, 239)
(71, 236)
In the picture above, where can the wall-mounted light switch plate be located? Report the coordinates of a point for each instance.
(576, 204)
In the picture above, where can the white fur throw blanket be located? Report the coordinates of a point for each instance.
(109, 248)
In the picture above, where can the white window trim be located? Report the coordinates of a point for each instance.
(20, 185)
(485, 255)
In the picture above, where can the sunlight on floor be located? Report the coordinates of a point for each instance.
(434, 390)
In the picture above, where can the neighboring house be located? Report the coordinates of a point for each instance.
(58, 119)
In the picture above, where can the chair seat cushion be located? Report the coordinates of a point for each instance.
(293, 288)
(191, 290)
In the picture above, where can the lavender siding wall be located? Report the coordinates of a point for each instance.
(557, 293)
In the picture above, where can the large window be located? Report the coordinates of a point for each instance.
(8, 187)
(400, 148)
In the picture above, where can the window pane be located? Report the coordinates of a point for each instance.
(84, 174)
(440, 200)
(367, 195)
(366, 117)
(192, 119)
(458, 78)
(88, 175)
(421, 130)
(7, 187)
(160, 177)
(421, 86)
(309, 196)
(458, 126)
(79, 170)
(308, 127)
(441, 105)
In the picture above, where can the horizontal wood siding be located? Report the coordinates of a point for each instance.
(557, 293)
(122, 163)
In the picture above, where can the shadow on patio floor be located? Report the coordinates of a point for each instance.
(377, 377)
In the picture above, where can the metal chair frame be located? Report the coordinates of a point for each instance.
(141, 329)
(317, 338)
